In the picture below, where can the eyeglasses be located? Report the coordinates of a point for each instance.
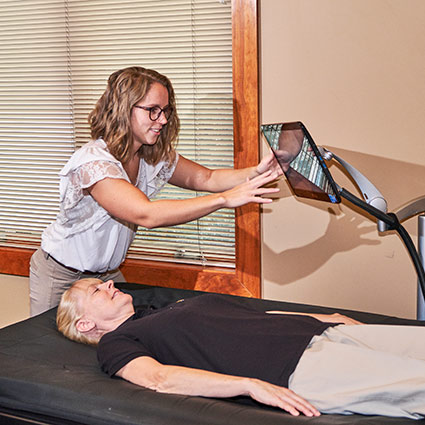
(155, 111)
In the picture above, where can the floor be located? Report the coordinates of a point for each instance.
(14, 299)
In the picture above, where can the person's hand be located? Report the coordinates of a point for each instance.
(269, 163)
(338, 318)
(251, 191)
(281, 397)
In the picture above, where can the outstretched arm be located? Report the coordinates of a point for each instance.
(147, 372)
(191, 175)
(328, 318)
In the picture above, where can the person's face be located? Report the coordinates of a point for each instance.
(145, 131)
(102, 303)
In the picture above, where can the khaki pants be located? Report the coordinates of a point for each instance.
(365, 369)
(49, 280)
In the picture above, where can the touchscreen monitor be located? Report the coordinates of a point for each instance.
(301, 161)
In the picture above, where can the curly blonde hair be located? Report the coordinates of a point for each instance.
(69, 313)
(110, 118)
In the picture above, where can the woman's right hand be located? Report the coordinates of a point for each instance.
(251, 191)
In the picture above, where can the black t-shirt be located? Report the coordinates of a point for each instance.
(213, 333)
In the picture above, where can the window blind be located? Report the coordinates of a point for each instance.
(36, 129)
(188, 40)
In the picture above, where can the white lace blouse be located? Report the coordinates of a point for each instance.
(85, 236)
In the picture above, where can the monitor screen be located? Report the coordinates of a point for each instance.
(300, 159)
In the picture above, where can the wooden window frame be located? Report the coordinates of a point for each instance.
(245, 279)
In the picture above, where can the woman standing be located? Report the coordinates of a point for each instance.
(106, 186)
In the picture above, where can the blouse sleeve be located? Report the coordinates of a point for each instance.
(92, 172)
(85, 176)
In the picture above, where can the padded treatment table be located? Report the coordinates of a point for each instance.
(46, 378)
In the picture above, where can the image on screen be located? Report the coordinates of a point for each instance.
(304, 168)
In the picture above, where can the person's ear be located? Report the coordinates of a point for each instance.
(85, 325)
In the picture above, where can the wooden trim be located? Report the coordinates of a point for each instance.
(246, 278)
(15, 260)
(184, 276)
(246, 137)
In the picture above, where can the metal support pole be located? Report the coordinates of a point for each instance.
(420, 312)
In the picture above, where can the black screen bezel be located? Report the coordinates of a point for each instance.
(298, 125)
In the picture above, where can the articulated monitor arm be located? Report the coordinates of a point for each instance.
(370, 193)
(376, 205)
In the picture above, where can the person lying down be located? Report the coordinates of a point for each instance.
(215, 346)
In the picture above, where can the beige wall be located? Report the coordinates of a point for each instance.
(354, 72)
(14, 299)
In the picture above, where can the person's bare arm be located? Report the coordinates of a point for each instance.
(147, 372)
(191, 175)
(328, 318)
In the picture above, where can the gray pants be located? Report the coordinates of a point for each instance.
(366, 369)
(49, 280)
